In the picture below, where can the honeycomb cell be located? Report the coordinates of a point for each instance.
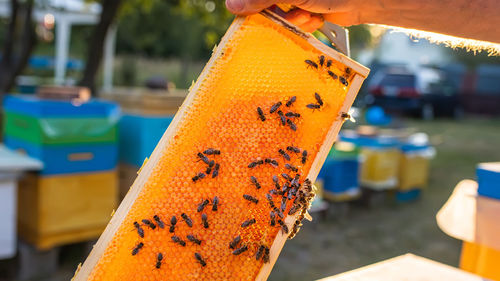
(261, 65)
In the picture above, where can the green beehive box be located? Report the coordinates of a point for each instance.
(59, 131)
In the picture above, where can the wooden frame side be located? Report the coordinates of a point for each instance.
(84, 272)
(281, 238)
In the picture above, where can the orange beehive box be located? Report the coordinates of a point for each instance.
(245, 104)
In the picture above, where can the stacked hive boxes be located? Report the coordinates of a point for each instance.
(381, 163)
(413, 170)
(71, 199)
(340, 173)
(389, 162)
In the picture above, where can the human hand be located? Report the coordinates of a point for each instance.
(475, 19)
(310, 14)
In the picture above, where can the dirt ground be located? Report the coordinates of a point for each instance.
(355, 235)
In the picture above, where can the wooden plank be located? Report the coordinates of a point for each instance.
(407, 267)
(147, 169)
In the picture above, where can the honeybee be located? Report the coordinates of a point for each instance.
(159, 222)
(188, 220)
(202, 205)
(200, 259)
(310, 63)
(248, 223)
(318, 99)
(240, 250)
(193, 239)
(139, 229)
(211, 151)
(204, 220)
(149, 223)
(291, 101)
(291, 124)
(255, 182)
(159, 258)
(137, 248)
(173, 222)
(178, 240)
(233, 244)
(275, 107)
(261, 114)
(251, 198)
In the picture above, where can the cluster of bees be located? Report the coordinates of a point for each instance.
(284, 118)
(290, 188)
(157, 222)
(323, 64)
(212, 167)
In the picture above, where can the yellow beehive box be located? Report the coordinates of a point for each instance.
(379, 168)
(58, 210)
(413, 171)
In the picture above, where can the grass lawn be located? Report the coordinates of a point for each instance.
(362, 235)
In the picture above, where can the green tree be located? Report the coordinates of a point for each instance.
(19, 41)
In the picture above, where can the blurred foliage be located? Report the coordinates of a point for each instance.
(360, 37)
(472, 59)
(182, 28)
(128, 71)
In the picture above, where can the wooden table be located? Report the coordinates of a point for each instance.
(406, 268)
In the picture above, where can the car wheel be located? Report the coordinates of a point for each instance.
(427, 112)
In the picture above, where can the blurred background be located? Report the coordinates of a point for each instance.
(89, 87)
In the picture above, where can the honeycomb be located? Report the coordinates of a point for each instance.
(228, 127)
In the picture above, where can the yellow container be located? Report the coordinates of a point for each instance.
(480, 260)
(379, 168)
(413, 171)
(59, 210)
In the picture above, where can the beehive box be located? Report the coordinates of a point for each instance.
(58, 210)
(60, 130)
(380, 163)
(139, 135)
(414, 168)
(244, 106)
(340, 172)
(488, 178)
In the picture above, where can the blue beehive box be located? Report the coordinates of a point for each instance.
(34, 106)
(66, 159)
(91, 155)
(340, 173)
(139, 135)
(488, 179)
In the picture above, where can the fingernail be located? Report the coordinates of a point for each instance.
(235, 5)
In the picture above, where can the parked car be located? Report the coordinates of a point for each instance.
(482, 90)
(426, 92)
